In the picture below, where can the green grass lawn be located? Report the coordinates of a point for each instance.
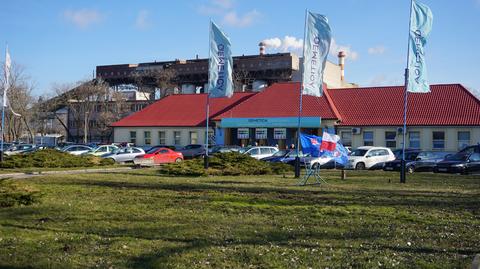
(140, 220)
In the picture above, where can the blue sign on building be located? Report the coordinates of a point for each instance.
(286, 122)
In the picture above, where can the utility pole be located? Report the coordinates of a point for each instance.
(85, 129)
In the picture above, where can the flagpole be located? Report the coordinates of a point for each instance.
(297, 159)
(403, 176)
(4, 104)
(207, 91)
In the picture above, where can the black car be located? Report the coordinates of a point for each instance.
(460, 163)
(282, 156)
(192, 151)
(471, 149)
(410, 158)
(427, 160)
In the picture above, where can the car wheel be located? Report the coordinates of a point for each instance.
(178, 160)
(410, 169)
(360, 166)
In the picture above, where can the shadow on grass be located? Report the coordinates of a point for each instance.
(304, 197)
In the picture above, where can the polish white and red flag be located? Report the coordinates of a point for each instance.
(329, 141)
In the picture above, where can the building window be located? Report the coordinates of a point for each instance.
(391, 139)
(193, 138)
(368, 138)
(161, 138)
(147, 137)
(133, 137)
(414, 140)
(177, 137)
(438, 140)
(346, 138)
(463, 139)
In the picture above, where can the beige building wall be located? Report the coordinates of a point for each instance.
(122, 134)
(426, 136)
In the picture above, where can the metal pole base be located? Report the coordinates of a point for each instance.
(205, 161)
(403, 176)
(297, 167)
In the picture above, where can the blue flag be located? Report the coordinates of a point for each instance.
(318, 37)
(220, 64)
(311, 145)
(421, 19)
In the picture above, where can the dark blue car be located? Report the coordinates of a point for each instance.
(283, 156)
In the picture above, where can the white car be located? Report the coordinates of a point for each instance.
(76, 149)
(259, 152)
(369, 158)
(102, 150)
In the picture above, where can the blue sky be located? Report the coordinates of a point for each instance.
(63, 41)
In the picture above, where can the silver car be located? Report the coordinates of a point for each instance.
(124, 154)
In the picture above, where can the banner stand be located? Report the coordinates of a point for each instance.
(311, 172)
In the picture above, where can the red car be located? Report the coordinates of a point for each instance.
(158, 156)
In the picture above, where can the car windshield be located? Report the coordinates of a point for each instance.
(458, 157)
(280, 153)
(152, 150)
(359, 152)
(243, 150)
(409, 156)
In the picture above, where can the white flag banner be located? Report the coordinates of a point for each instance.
(318, 37)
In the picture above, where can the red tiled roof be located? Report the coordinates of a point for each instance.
(281, 100)
(448, 104)
(181, 110)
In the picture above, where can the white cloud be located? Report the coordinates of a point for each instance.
(82, 18)
(378, 50)
(335, 48)
(247, 19)
(142, 22)
(288, 43)
(228, 15)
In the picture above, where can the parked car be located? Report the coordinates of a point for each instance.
(102, 150)
(20, 148)
(123, 155)
(223, 149)
(471, 149)
(76, 149)
(259, 152)
(426, 160)
(462, 163)
(369, 158)
(396, 165)
(192, 151)
(283, 156)
(158, 156)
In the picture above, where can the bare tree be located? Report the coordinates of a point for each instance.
(19, 112)
(150, 80)
(241, 77)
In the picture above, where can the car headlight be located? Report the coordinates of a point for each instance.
(460, 165)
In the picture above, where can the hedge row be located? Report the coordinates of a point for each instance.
(50, 158)
(225, 164)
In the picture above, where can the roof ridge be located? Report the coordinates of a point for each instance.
(332, 104)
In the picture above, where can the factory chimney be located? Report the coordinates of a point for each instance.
(261, 46)
(341, 63)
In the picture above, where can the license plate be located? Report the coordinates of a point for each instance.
(388, 168)
(442, 169)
